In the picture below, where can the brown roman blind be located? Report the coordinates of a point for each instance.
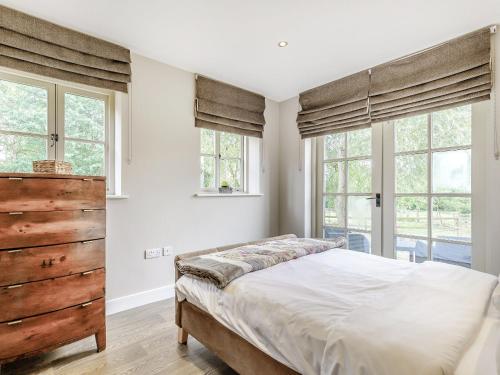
(336, 106)
(227, 108)
(454, 73)
(37, 46)
(451, 74)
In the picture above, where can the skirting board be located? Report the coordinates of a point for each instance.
(116, 305)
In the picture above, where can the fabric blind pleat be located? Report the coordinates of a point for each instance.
(457, 72)
(223, 107)
(37, 46)
(336, 105)
(451, 74)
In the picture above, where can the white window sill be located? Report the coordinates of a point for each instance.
(236, 194)
(113, 197)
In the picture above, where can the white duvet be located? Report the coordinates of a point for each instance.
(343, 312)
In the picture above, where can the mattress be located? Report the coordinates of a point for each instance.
(303, 299)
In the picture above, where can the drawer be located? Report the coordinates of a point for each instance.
(40, 263)
(39, 297)
(27, 229)
(50, 194)
(30, 336)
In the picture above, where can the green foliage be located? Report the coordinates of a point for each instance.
(410, 134)
(24, 109)
(411, 173)
(452, 127)
(334, 147)
(359, 176)
(84, 118)
(229, 159)
(359, 142)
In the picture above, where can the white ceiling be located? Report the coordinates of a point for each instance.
(236, 41)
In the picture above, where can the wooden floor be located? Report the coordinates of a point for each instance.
(140, 341)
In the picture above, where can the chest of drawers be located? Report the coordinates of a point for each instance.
(52, 262)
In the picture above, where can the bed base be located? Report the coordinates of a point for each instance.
(234, 350)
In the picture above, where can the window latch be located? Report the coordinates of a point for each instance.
(54, 138)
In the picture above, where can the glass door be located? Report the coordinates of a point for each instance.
(428, 186)
(349, 179)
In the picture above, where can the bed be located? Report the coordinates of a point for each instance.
(311, 305)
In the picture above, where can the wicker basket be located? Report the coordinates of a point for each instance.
(52, 166)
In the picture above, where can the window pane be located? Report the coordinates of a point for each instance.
(207, 141)
(359, 142)
(23, 108)
(18, 152)
(359, 176)
(452, 253)
(334, 211)
(334, 177)
(410, 134)
(358, 241)
(359, 211)
(451, 172)
(411, 216)
(230, 173)
(86, 158)
(334, 146)
(207, 172)
(230, 145)
(451, 218)
(330, 232)
(84, 118)
(452, 127)
(411, 173)
(413, 250)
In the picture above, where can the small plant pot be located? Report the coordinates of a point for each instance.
(226, 190)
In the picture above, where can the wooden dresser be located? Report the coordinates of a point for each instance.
(52, 257)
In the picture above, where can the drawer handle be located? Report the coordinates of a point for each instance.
(16, 178)
(87, 273)
(87, 179)
(15, 213)
(86, 242)
(15, 251)
(86, 304)
(14, 322)
(87, 210)
(14, 286)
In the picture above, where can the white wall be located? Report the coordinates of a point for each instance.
(294, 182)
(161, 181)
(292, 218)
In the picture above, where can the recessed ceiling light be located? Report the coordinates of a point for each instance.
(283, 43)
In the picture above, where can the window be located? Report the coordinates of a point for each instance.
(433, 208)
(346, 172)
(221, 160)
(42, 120)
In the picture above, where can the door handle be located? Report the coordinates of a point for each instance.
(377, 198)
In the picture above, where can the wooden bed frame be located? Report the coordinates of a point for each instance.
(237, 352)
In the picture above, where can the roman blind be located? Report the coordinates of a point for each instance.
(451, 74)
(227, 108)
(37, 46)
(335, 106)
(454, 73)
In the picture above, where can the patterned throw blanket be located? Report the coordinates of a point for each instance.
(223, 267)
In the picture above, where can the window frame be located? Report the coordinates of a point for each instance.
(217, 158)
(55, 117)
(429, 151)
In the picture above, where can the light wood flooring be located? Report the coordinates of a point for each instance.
(140, 341)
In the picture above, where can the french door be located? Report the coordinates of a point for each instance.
(347, 187)
(427, 171)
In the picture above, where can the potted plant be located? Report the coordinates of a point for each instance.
(225, 188)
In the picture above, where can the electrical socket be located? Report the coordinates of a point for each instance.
(167, 250)
(152, 253)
